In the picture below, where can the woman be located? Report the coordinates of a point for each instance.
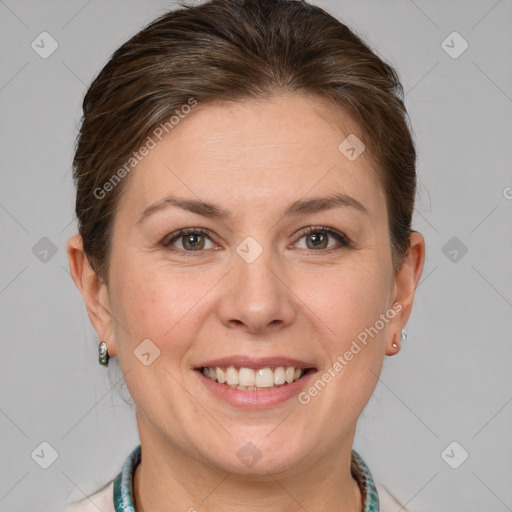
(245, 186)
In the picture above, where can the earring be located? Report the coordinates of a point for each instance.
(103, 353)
(403, 337)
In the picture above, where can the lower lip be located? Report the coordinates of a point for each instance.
(256, 399)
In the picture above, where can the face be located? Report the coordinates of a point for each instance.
(252, 288)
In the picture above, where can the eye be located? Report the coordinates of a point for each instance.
(317, 238)
(196, 240)
(191, 239)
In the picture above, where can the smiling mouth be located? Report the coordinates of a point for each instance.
(255, 379)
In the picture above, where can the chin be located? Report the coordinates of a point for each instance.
(257, 455)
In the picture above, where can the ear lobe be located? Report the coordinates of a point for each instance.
(93, 289)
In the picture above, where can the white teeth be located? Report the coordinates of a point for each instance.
(232, 376)
(221, 375)
(265, 378)
(279, 376)
(248, 379)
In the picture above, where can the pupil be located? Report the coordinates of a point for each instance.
(192, 241)
(317, 239)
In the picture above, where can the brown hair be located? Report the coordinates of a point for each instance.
(232, 50)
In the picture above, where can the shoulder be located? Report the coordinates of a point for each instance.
(102, 499)
(387, 502)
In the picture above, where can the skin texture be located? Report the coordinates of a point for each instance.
(252, 158)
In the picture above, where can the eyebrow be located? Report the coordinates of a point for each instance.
(300, 207)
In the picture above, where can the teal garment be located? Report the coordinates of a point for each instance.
(123, 483)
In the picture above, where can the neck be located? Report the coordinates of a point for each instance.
(168, 479)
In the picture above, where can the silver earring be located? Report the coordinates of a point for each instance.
(394, 345)
(404, 335)
(103, 353)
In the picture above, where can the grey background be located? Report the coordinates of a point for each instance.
(452, 380)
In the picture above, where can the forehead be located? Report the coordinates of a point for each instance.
(252, 153)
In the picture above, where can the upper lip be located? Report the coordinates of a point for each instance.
(240, 361)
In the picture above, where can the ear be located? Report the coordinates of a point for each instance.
(94, 292)
(406, 281)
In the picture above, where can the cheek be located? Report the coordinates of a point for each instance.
(153, 335)
(154, 310)
(162, 306)
(348, 299)
(354, 338)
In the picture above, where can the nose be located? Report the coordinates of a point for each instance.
(257, 296)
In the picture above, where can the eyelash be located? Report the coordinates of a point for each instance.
(342, 239)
